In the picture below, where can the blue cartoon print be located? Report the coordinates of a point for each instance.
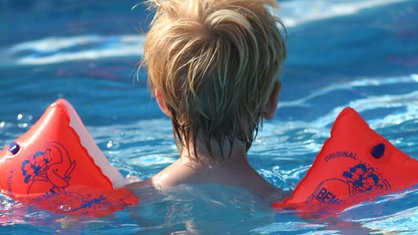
(359, 179)
(51, 166)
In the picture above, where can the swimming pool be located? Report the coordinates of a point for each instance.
(359, 53)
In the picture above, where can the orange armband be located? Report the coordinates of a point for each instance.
(57, 166)
(354, 165)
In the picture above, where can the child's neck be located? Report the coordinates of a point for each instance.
(207, 168)
(228, 154)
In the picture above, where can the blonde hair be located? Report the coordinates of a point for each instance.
(216, 63)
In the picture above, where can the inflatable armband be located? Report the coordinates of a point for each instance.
(355, 164)
(57, 166)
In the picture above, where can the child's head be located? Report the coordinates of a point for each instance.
(214, 64)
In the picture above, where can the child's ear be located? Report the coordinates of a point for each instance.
(271, 105)
(160, 99)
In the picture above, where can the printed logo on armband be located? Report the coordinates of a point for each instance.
(360, 179)
(325, 196)
(50, 166)
(340, 154)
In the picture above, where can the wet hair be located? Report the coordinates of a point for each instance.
(215, 63)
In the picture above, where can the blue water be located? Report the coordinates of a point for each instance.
(359, 53)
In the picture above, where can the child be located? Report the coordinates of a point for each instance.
(214, 66)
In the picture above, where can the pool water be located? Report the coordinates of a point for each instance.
(358, 53)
